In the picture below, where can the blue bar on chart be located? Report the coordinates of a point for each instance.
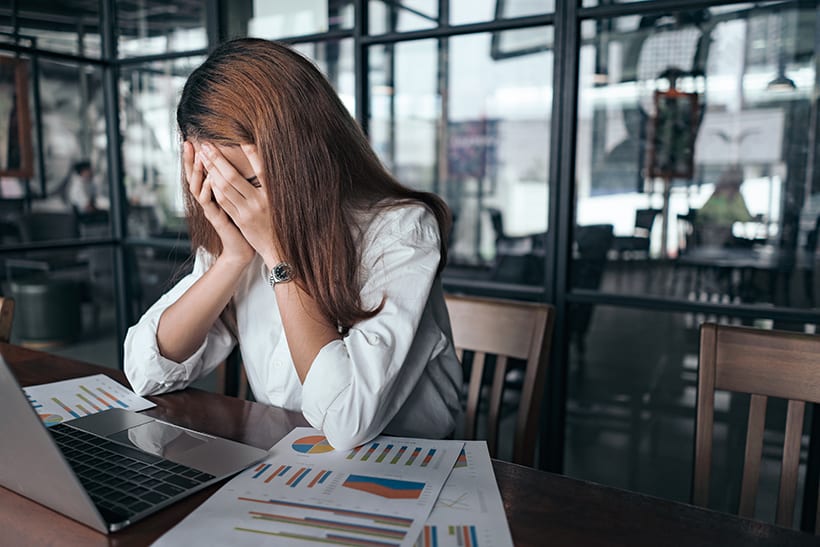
(298, 476)
(428, 457)
(320, 477)
(461, 536)
(34, 404)
(261, 469)
(370, 451)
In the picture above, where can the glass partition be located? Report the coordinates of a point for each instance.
(693, 156)
(410, 15)
(71, 26)
(335, 59)
(151, 156)
(489, 159)
(74, 143)
(150, 28)
(388, 16)
(274, 19)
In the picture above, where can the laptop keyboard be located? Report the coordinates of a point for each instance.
(122, 480)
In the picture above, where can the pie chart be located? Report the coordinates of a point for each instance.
(314, 444)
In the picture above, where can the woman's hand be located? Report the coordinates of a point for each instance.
(234, 245)
(245, 202)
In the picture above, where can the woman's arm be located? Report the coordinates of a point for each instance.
(148, 371)
(306, 330)
(184, 325)
(356, 386)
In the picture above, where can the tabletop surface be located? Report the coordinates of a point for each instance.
(542, 508)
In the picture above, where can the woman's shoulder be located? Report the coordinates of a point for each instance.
(399, 217)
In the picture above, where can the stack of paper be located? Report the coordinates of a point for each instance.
(392, 491)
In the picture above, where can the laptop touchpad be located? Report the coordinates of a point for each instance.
(160, 439)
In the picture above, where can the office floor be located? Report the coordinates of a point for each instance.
(630, 414)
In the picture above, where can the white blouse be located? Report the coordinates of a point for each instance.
(396, 372)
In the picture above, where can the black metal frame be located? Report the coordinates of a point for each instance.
(556, 288)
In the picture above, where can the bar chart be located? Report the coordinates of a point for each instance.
(60, 401)
(291, 476)
(446, 536)
(393, 454)
(319, 524)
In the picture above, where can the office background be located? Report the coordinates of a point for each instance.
(575, 143)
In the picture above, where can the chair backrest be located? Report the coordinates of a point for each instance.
(507, 330)
(6, 318)
(765, 364)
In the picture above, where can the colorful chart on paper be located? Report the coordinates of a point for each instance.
(469, 511)
(301, 496)
(57, 402)
(313, 444)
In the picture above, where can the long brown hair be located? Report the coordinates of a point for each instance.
(319, 168)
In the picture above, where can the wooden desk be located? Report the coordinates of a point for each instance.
(542, 508)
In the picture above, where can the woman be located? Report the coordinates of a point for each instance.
(309, 255)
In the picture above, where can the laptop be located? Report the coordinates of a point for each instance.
(110, 469)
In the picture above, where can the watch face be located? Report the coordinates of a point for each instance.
(281, 272)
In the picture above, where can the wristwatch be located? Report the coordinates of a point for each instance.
(281, 273)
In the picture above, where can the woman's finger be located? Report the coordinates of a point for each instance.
(205, 195)
(226, 188)
(215, 161)
(252, 154)
(226, 204)
(187, 160)
(196, 176)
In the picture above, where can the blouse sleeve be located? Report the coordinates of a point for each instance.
(147, 370)
(356, 385)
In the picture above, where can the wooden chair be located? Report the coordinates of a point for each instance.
(506, 329)
(764, 364)
(6, 318)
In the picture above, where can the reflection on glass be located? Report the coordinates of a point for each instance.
(489, 161)
(694, 154)
(475, 11)
(273, 19)
(593, 3)
(160, 27)
(335, 60)
(631, 412)
(409, 15)
(389, 16)
(74, 151)
(64, 299)
(151, 161)
(66, 27)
